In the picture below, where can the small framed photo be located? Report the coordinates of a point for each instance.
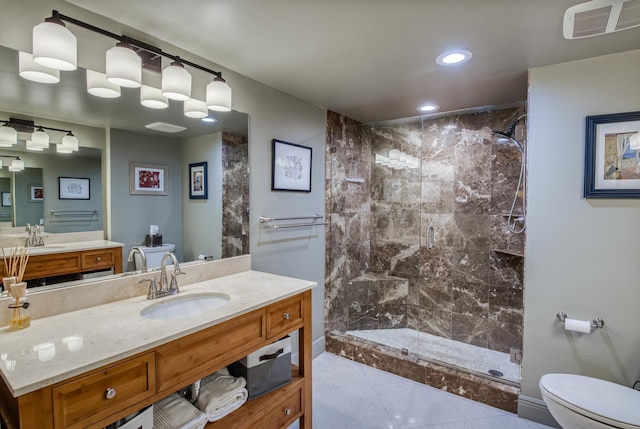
(74, 188)
(291, 167)
(6, 199)
(612, 156)
(36, 194)
(198, 185)
(147, 179)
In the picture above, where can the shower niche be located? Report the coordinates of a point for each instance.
(424, 277)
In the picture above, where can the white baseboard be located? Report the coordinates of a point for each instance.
(536, 410)
(317, 348)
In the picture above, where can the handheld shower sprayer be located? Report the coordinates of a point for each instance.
(508, 134)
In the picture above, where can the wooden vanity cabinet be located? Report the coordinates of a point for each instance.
(57, 264)
(98, 398)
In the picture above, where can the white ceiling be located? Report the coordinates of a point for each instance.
(372, 60)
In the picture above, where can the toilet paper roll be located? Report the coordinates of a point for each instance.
(583, 326)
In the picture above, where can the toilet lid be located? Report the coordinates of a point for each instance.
(599, 399)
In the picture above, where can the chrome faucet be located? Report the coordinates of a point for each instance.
(165, 288)
(139, 250)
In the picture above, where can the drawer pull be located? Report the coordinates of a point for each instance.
(287, 411)
(287, 315)
(98, 259)
(110, 393)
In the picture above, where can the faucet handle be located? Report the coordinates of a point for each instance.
(153, 287)
(174, 281)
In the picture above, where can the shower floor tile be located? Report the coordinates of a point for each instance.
(433, 348)
(350, 395)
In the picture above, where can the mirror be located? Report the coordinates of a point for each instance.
(115, 128)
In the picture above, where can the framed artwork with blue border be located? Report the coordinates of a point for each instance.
(612, 156)
(198, 185)
(291, 167)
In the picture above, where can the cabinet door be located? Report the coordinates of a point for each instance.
(89, 399)
(97, 259)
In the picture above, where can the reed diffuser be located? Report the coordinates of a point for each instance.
(15, 265)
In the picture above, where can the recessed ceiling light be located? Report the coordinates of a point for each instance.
(428, 108)
(209, 119)
(453, 57)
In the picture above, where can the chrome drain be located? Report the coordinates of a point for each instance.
(495, 373)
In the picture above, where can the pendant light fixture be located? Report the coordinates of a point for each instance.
(194, 108)
(8, 136)
(124, 66)
(17, 165)
(69, 143)
(54, 45)
(176, 82)
(40, 139)
(219, 95)
(152, 97)
(30, 70)
(98, 85)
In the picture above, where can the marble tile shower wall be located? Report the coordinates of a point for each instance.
(379, 271)
(235, 195)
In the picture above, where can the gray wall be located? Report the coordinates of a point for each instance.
(582, 254)
(30, 212)
(131, 215)
(202, 229)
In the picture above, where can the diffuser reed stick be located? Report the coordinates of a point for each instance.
(15, 266)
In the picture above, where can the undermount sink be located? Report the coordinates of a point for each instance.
(185, 306)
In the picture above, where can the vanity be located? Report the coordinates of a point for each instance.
(90, 367)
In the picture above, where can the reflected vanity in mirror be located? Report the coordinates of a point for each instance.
(113, 134)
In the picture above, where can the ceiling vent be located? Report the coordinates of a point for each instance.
(598, 17)
(165, 128)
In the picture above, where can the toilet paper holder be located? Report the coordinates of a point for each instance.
(595, 323)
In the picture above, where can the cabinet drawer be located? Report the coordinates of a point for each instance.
(51, 265)
(280, 414)
(96, 259)
(284, 316)
(89, 399)
(185, 360)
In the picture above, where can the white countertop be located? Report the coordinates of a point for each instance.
(75, 246)
(55, 348)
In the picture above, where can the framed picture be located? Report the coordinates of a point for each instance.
(612, 156)
(147, 179)
(36, 193)
(6, 199)
(198, 188)
(291, 167)
(73, 188)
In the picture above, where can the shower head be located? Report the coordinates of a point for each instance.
(508, 134)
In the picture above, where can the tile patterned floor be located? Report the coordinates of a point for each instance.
(349, 395)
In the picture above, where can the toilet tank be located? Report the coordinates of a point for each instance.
(154, 256)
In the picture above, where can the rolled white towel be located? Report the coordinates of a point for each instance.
(175, 412)
(221, 394)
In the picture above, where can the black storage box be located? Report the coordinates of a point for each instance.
(265, 369)
(153, 240)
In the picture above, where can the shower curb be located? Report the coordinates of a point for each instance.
(479, 389)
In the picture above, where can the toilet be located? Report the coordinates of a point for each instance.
(579, 402)
(154, 256)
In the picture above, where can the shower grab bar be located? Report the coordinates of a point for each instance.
(269, 221)
(595, 323)
(74, 212)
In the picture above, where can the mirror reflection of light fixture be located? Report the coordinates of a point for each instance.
(124, 66)
(34, 147)
(98, 85)
(152, 97)
(8, 136)
(40, 139)
(219, 95)
(176, 82)
(16, 165)
(30, 70)
(54, 45)
(69, 144)
(194, 108)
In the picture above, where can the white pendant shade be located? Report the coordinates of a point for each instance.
(30, 145)
(124, 66)
(54, 45)
(17, 165)
(69, 142)
(152, 97)
(98, 85)
(219, 95)
(30, 70)
(8, 136)
(40, 139)
(60, 148)
(194, 108)
(176, 82)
